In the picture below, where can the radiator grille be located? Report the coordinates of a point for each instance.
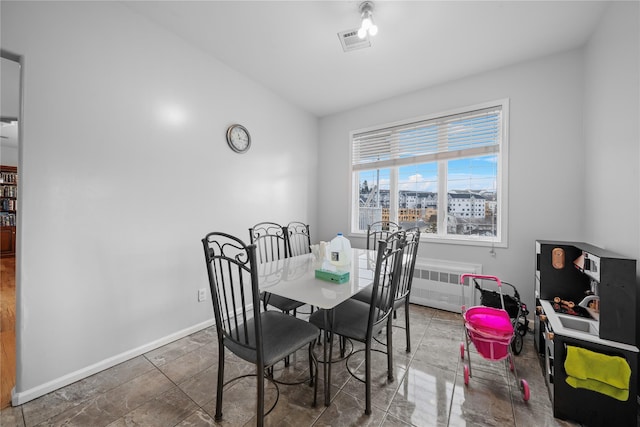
(436, 283)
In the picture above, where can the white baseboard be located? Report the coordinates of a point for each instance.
(19, 398)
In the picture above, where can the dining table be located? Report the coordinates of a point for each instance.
(295, 278)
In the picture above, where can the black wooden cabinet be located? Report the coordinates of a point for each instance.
(568, 270)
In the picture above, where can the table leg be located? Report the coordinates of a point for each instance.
(328, 323)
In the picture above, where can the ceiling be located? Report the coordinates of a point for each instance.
(292, 47)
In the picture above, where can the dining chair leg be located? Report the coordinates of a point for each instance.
(260, 403)
(218, 416)
(287, 359)
(327, 359)
(367, 378)
(406, 324)
(389, 349)
(313, 363)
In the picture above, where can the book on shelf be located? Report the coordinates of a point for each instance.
(8, 204)
(8, 191)
(7, 219)
(8, 178)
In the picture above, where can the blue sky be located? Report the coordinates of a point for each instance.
(478, 173)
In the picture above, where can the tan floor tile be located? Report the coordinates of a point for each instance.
(188, 365)
(165, 410)
(346, 410)
(424, 396)
(176, 385)
(12, 417)
(198, 418)
(481, 403)
(52, 404)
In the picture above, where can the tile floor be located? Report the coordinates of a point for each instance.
(175, 385)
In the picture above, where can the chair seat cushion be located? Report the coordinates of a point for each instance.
(281, 335)
(281, 303)
(349, 319)
(365, 296)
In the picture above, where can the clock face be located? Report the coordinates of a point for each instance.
(238, 138)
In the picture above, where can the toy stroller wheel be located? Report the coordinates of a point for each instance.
(462, 350)
(466, 375)
(522, 329)
(516, 343)
(526, 393)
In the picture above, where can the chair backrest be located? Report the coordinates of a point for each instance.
(380, 230)
(386, 278)
(270, 240)
(412, 240)
(298, 238)
(233, 280)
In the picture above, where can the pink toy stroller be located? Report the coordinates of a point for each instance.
(491, 331)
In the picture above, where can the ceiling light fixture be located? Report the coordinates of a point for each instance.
(367, 26)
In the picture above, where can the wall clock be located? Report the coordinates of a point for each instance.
(238, 138)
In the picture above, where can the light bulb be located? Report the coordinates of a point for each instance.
(362, 33)
(373, 30)
(366, 23)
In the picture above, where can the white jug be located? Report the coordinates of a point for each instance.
(340, 250)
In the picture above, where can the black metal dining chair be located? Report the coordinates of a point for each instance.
(403, 292)
(360, 321)
(298, 238)
(380, 230)
(259, 337)
(271, 242)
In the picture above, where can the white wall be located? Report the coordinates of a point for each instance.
(116, 195)
(612, 132)
(9, 155)
(546, 158)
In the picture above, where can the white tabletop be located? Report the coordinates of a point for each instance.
(294, 278)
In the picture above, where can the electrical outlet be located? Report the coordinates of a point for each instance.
(202, 294)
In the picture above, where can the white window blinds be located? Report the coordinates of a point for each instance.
(473, 133)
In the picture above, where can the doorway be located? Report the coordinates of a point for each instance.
(10, 117)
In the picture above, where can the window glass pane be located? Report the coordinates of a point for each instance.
(418, 196)
(472, 196)
(374, 197)
(439, 173)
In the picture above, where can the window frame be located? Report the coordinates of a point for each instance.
(502, 174)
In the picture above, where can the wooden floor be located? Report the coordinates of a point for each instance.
(7, 329)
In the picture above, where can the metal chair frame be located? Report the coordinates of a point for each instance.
(270, 239)
(403, 293)
(272, 243)
(240, 324)
(388, 262)
(298, 238)
(380, 230)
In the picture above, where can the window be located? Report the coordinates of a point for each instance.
(445, 174)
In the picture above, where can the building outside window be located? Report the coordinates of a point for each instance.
(446, 174)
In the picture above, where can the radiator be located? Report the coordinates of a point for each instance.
(436, 283)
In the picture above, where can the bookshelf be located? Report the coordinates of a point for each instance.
(8, 209)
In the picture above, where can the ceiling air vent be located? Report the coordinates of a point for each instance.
(350, 40)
